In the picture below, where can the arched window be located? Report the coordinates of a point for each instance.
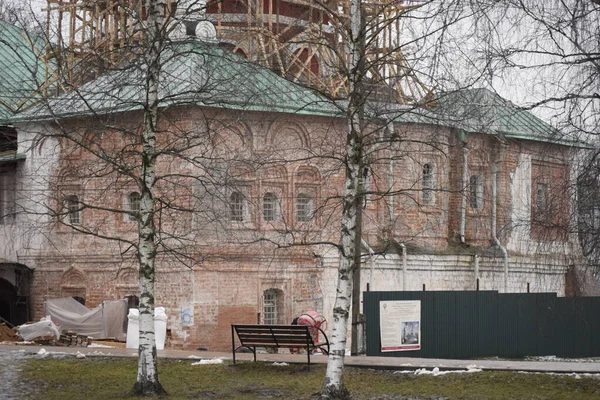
(73, 207)
(428, 184)
(133, 206)
(236, 207)
(304, 208)
(271, 209)
(476, 192)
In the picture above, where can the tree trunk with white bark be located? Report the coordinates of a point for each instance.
(147, 383)
(350, 241)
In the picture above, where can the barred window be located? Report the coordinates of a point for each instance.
(271, 209)
(236, 207)
(304, 208)
(476, 192)
(428, 184)
(73, 207)
(270, 307)
(133, 206)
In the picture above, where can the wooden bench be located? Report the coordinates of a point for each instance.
(291, 336)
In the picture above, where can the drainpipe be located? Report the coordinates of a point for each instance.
(463, 204)
(371, 260)
(476, 270)
(494, 213)
(390, 198)
(403, 247)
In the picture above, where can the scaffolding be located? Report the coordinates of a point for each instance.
(302, 40)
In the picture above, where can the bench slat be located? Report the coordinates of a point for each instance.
(301, 330)
(283, 338)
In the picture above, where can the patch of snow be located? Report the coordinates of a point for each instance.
(436, 371)
(195, 357)
(280, 364)
(576, 375)
(555, 358)
(209, 361)
(79, 355)
(103, 346)
(41, 352)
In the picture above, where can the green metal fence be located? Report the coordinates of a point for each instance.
(475, 324)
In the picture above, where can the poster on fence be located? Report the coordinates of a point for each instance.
(400, 325)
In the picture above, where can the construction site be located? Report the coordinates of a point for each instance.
(304, 41)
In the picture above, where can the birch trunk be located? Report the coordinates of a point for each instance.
(333, 384)
(147, 376)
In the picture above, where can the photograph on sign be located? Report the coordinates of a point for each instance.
(400, 325)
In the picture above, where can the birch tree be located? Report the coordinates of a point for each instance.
(350, 236)
(147, 376)
(367, 117)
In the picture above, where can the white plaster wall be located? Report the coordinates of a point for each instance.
(520, 241)
(29, 231)
(521, 200)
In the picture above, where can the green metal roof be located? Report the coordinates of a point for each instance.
(193, 72)
(200, 73)
(22, 69)
(481, 110)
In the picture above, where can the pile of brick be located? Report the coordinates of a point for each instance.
(73, 339)
(8, 334)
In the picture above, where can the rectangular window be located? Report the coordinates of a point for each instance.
(270, 307)
(7, 198)
(476, 192)
(133, 205)
(236, 207)
(428, 184)
(304, 208)
(73, 207)
(270, 207)
(541, 202)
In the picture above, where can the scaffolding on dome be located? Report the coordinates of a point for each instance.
(299, 39)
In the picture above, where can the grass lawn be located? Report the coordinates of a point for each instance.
(113, 378)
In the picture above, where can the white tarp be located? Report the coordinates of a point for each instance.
(105, 321)
(43, 328)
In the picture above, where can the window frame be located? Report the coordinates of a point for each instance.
(428, 183)
(237, 207)
(133, 214)
(476, 191)
(309, 213)
(270, 307)
(72, 204)
(273, 212)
